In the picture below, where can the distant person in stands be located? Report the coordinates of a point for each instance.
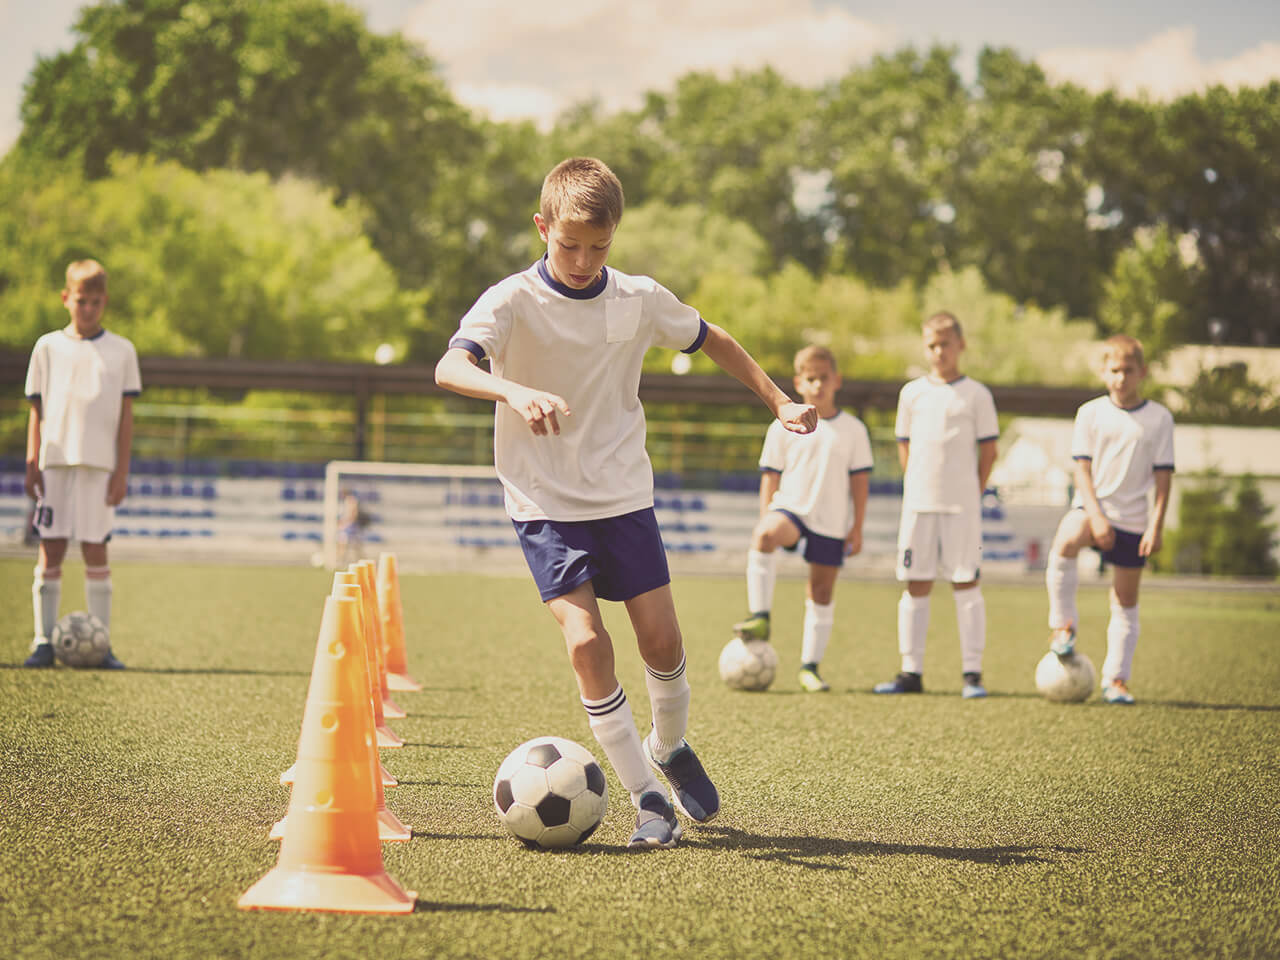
(351, 524)
(81, 382)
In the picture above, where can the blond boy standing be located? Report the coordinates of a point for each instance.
(81, 382)
(946, 429)
(812, 488)
(1122, 446)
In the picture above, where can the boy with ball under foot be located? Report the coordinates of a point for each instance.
(81, 381)
(1122, 446)
(565, 340)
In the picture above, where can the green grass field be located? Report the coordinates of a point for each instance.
(134, 806)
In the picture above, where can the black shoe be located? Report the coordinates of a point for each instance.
(973, 688)
(41, 656)
(902, 683)
(109, 662)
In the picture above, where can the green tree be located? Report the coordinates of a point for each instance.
(1214, 537)
(220, 263)
(1227, 395)
(1150, 294)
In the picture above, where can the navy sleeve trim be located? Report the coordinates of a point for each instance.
(33, 396)
(994, 436)
(473, 348)
(1163, 466)
(702, 336)
(133, 393)
(859, 470)
(1082, 456)
(770, 470)
(903, 439)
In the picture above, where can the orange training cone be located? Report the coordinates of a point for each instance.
(331, 858)
(368, 571)
(392, 612)
(385, 735)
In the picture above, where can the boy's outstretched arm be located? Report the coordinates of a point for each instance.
(459, 372)
(730, 356)
(1153, 537)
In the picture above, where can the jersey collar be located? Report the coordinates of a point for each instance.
(586, 293)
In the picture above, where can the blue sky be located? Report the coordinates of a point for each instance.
(510, 59)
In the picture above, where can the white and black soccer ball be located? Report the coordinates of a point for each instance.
(749, 664)
(80, 640)
(1068, 679)
(550, 792)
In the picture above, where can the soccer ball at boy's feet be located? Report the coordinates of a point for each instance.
(550, 792)
(1067, 679)
(80, 640)
(748, 665)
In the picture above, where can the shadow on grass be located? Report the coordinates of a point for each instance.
(804, 851)
(444, 783)
(1193, 705)
(440, 746)
(168, 671)
(431, 906)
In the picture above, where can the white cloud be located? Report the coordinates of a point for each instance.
(515, 59)
(1163, 67)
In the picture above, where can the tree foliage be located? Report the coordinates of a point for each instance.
(1217, 537)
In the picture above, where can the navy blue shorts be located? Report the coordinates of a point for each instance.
(1124, 552)
(622, 557)
(828, 551)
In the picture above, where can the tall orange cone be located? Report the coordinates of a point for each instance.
(368, 571)
(392, 611)
(330, 857)
(385, 735)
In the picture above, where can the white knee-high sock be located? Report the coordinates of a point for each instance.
(971, 624)
(1062, 577)
(819, 618)
(1122, 640)
(669, 701)
(97, 592)
(615, 730)
(46, 595)
(762, 575)
(913, 628)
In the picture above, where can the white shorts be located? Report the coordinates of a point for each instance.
(74, 505)
(940, 546)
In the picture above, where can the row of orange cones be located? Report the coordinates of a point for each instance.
(330, 851)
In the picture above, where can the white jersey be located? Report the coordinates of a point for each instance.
(1125, 448)
(587, 346)
(815, 471)
(944, 423)
(81, 386)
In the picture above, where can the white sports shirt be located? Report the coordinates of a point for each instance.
(587, 346)
(81, 386)
(1125, 448)
(944, 423)
(815, 471)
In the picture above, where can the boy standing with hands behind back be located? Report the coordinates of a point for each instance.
(81, 382)
(565, 340)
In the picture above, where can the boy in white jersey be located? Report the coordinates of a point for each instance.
(565, 341)
(81, 382)
(946, 430)
(812, 488)
(1122, 446)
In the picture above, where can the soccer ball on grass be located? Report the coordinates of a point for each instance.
(1068, 679)
(80, 640)
(550, 792)
(748, 665)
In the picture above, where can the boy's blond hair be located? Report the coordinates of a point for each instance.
(581, 190)
(1120, 346)
(87, 275)
(813, 354)
(943, 320)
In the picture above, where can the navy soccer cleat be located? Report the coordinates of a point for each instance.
(656, 824)
(973, 688)
(902, 683)
(41, 656)
(109, 662)
(692, 791)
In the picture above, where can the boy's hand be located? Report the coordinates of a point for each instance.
(538, 407)
(117, 487)
(33, 483)
(1104, 535)
(799, 417)
(1151, 542)
(853, 543)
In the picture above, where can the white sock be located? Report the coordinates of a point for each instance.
(818, 621)
(971, 623)
(669, 701)
(1122, 640)
(46, 595)
(762, 574)
(913, 627)
(97, 592)
(615, 730)
(1061, 577)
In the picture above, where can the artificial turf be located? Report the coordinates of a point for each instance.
(134, 806)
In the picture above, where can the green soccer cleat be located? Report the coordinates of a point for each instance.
(810, 681)
(753, 628)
